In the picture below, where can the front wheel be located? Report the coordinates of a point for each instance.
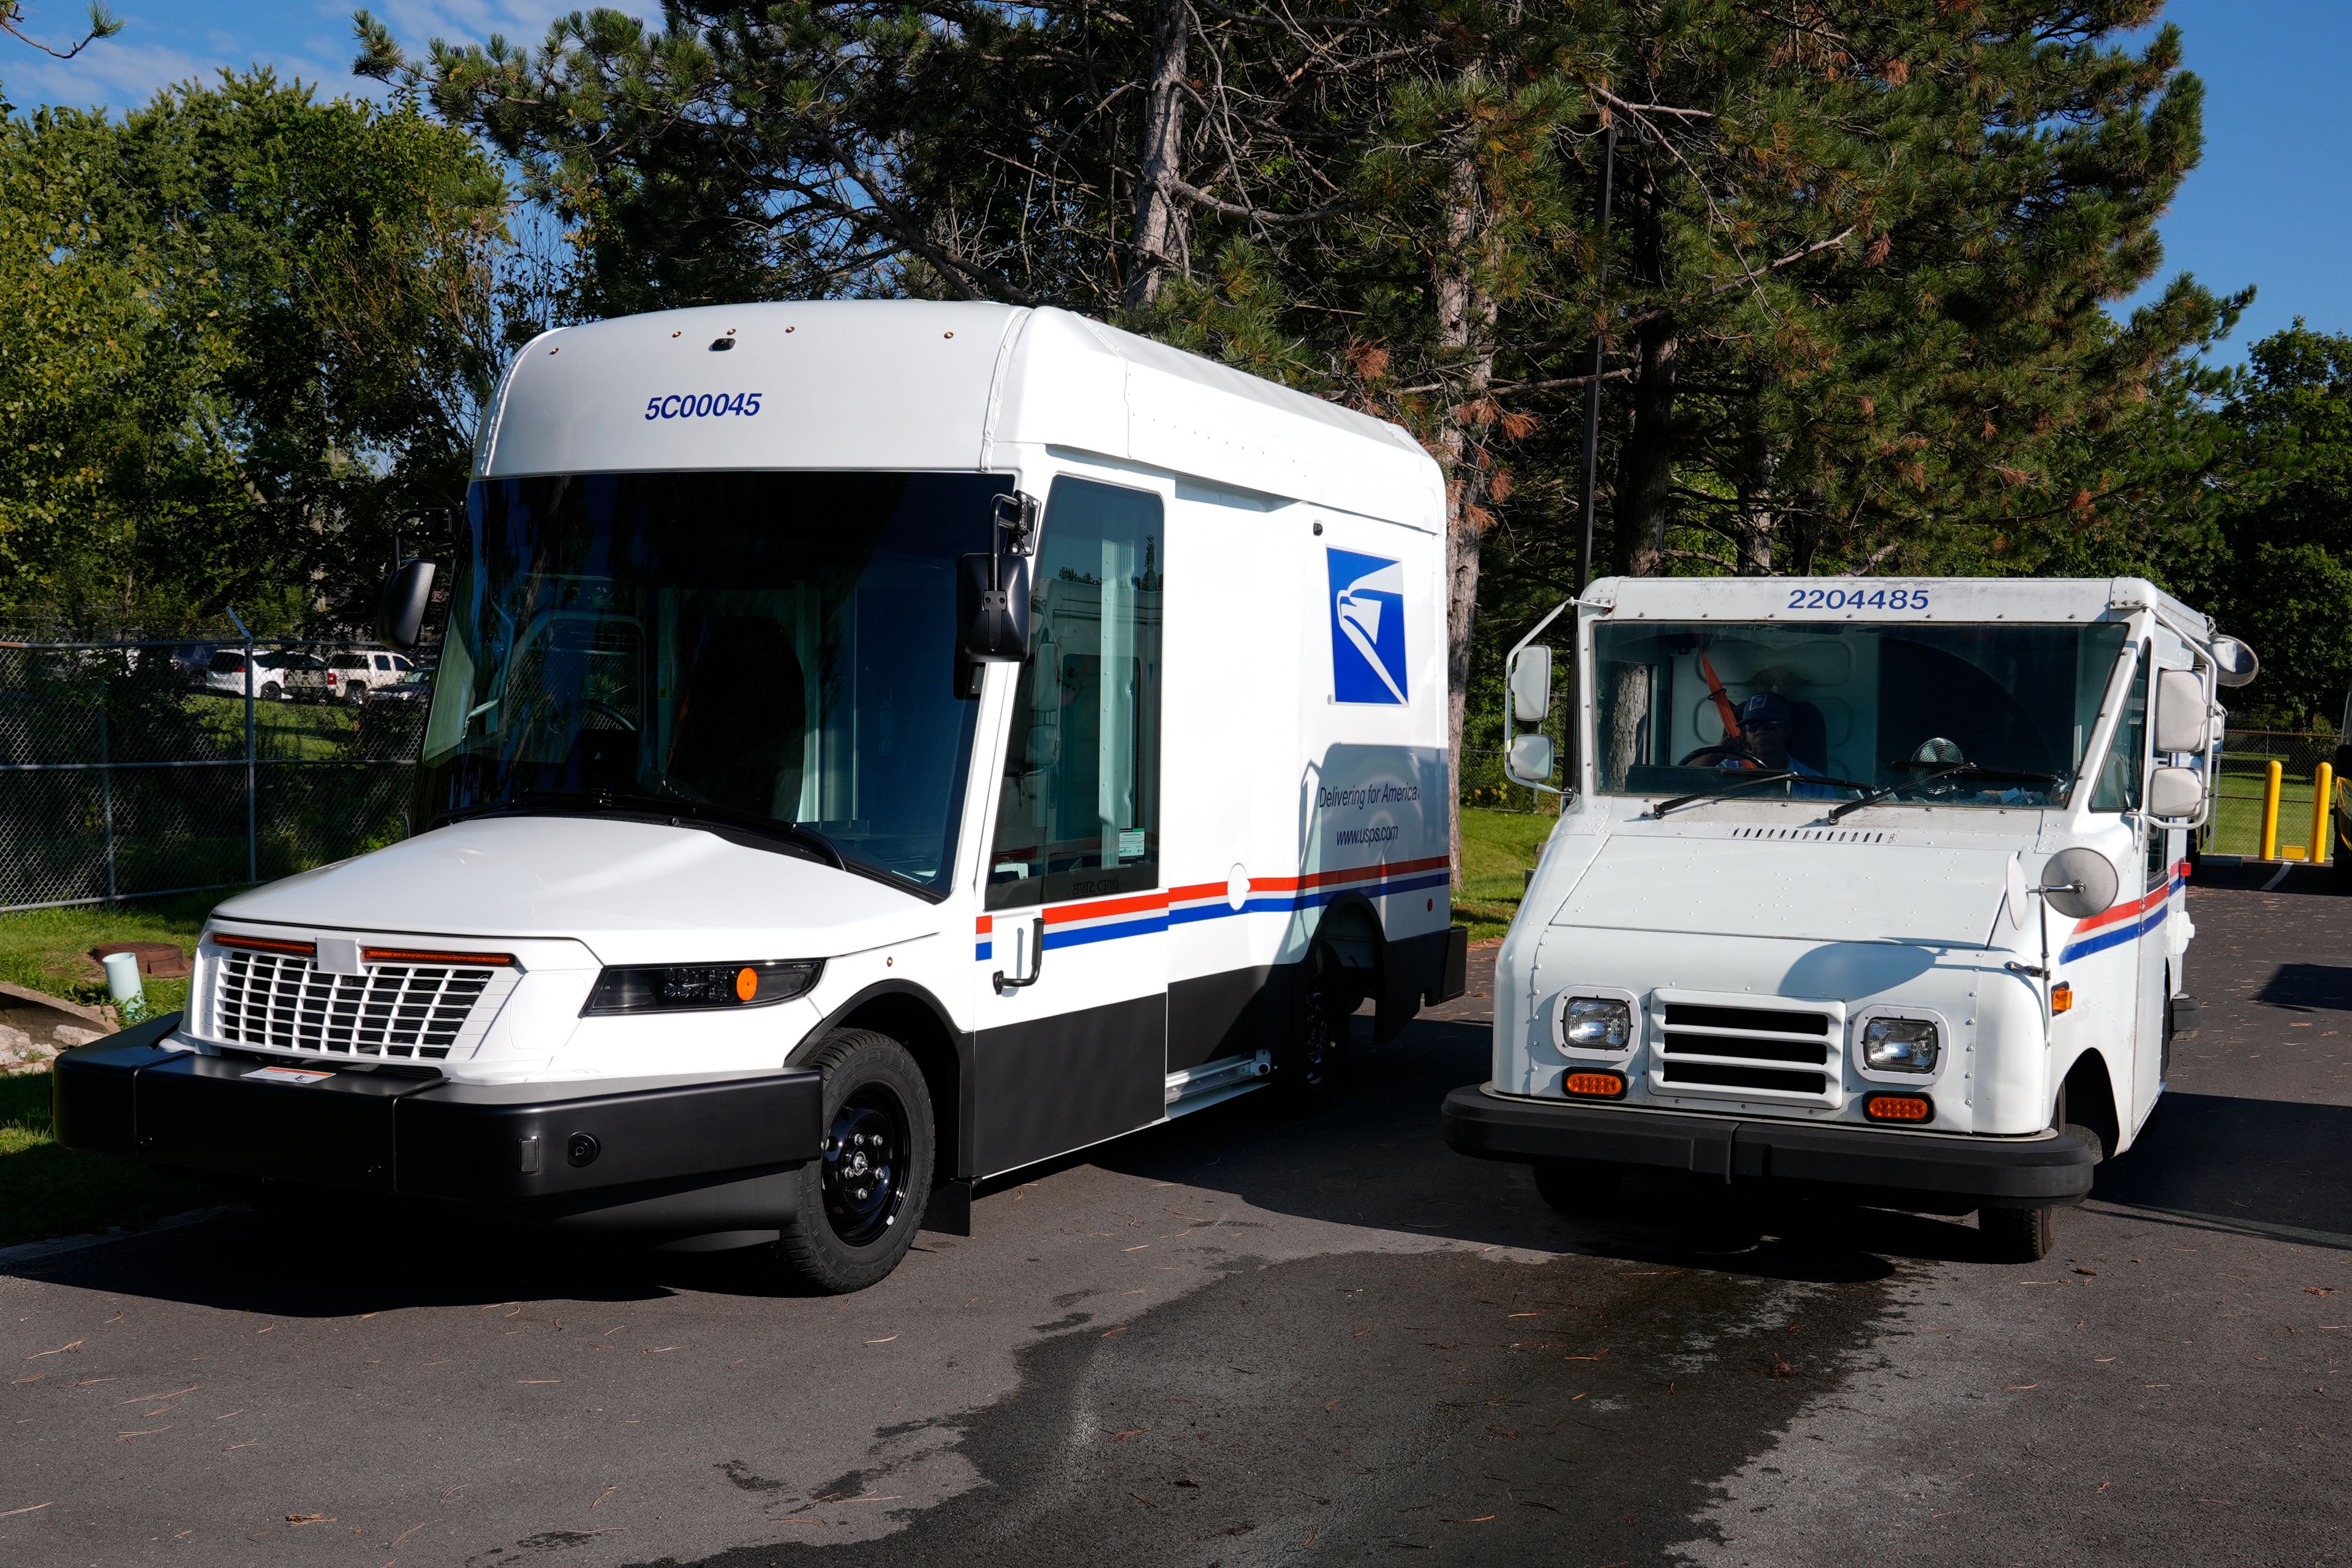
(857, 1206)
(2019, 1236)
(271, 692)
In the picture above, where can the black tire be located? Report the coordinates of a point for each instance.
(854, 1214)
(2018, 1235)
(270, 691)
(355, 693)
(1311, 1069)
(1581, 1187)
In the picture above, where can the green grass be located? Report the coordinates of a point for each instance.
(1497, 849)
(46, 1190)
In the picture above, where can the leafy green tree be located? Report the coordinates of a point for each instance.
(274, 321)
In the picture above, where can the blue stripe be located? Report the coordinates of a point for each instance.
(985, 950)
(2116, 937)
(1085, 934)
(1263, 904)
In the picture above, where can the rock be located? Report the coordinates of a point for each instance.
(14, 1042)
(72, 1034)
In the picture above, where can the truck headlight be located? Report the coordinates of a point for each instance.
(1900, 1044)
(700, 987)
(1598, 1022)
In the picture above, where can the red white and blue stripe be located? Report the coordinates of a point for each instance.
(2127, 921)
(1139, 914)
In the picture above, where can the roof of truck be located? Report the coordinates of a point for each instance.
(2027, 599)
(930, 384)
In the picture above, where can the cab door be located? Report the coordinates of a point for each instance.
(2163, 920)
(1072, 1002)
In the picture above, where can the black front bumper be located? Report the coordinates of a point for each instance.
(2019, 1173)
(678, 1155)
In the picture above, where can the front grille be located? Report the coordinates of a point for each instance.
(1737, 1048)
(281, 1002)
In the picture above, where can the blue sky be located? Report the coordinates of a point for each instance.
(2271, 206)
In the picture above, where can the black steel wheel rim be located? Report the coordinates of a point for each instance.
(865, 1164)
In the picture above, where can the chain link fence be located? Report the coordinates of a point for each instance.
(134, 768)
(2246, 755)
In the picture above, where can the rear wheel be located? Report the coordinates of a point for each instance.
(355, 693)
(857, 1206)
(1309, 1073)
(2019, 1236)
(1582, 1187)
(270, 692)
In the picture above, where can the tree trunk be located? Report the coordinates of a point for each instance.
(1756, 513)
(1465, 323)
(1160, 228)
(1646, 466)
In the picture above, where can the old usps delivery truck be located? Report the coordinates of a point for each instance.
(874, 746)
(1865, 888)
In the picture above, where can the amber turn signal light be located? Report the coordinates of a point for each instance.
(1596, 1085)
(2062, 997)
(1897, 1108)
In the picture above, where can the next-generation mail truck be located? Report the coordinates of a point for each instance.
(874, 746)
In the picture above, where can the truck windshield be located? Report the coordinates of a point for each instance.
(777, 649)
(1938, 715)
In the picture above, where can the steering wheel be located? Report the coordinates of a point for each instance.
(1749, 759)
(618, 720)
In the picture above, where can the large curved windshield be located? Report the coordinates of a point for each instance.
(771, 650)
(1940, 715)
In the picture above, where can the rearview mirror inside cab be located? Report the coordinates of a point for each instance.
(2184, 719)
(1530, 683)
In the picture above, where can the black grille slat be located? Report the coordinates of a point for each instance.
(1714, 1074)
(1746, 1046)
(1691, 1015)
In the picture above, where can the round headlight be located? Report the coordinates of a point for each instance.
(1900, 1044)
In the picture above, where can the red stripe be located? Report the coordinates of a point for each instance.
(1100, 907)
(987, 924)
(1197, 890)
(1346, 874)
(2125, 911)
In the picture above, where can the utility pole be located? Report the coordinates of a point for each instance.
(1592, 386)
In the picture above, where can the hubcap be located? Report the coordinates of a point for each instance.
(865, 1166)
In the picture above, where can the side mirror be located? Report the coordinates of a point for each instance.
(1530, 681)
(2176, 796)
(1530, 759)
(2013, 893)
(992, 609)
(2079, 883)
(2184, 718)
(2343, 760)
(2234, 663)
(407, 592)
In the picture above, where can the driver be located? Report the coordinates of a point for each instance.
(1764, 723)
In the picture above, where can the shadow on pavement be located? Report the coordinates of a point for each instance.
(2260, 1161)
(1377, 1160)
(2309, 987)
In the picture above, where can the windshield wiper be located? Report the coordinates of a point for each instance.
(1752, 781)
(1971, 769)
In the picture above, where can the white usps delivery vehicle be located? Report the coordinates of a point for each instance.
(1872, 889)
(874, 746)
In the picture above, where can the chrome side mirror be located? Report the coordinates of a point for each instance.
(1530, 682)
(1530, 761)
(2176, 797)
(2234, 663)
(2184, 715)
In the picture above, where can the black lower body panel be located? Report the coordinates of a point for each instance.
(2022, 1172)
(654, 1156)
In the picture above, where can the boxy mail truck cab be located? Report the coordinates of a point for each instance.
(874, 746)
(1874, 887)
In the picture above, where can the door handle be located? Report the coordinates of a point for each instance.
(1005, 983)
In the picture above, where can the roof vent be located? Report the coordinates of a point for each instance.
(720, 346)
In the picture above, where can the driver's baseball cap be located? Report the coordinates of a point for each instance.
(1765, 708)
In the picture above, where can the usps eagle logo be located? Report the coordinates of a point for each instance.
(1368, 662)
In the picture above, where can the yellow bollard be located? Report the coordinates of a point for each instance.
(2270, 777)
(2323, 794)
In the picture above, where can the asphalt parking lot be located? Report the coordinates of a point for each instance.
(1238, 1341)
